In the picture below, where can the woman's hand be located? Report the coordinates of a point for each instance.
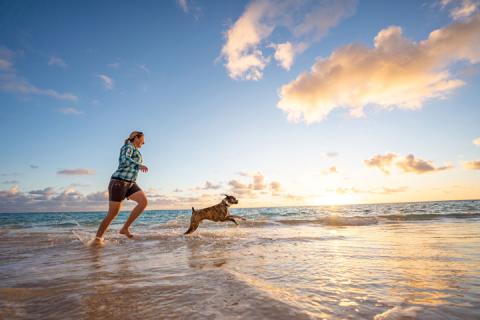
(143, 168)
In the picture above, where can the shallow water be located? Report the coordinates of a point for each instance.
(389, 261)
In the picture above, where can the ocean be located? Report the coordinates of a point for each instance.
(379, 261)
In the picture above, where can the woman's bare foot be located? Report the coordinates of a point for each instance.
(126, 232)
(98, 241)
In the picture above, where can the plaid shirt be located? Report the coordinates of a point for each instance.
(128, 163)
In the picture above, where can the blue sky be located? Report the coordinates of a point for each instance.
(77, 77)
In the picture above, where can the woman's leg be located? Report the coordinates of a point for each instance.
(141, 200)
(113, 210)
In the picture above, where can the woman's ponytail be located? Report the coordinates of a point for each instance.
(132, 136)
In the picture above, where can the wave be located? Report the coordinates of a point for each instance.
(428, 216)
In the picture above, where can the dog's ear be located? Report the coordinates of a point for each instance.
(226, 195)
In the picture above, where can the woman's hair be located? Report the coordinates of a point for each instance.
(133, 135)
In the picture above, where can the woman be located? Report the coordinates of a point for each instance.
(122, 185)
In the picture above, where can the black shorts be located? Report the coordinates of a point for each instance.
(121, 189)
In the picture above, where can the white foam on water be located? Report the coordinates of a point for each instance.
(397, 313)
(85, 237)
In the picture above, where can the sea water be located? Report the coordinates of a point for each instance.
(381, 261)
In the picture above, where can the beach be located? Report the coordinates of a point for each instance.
(383, 261)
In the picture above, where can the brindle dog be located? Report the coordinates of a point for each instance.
(215, 213)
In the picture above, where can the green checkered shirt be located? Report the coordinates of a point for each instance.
(128, 163)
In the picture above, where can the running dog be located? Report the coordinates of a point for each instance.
(218, 212)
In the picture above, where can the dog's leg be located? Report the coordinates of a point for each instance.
(238, 217)
(230, 218)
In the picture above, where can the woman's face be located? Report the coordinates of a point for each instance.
(139, 141)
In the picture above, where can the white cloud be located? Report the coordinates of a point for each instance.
(56, 61)
(183, 4)
(397, 72)
(114, 65)
(189, 6)
(70, 110)
(144, 68)
(307, 20)
(107, 81)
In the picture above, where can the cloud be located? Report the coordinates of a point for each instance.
(381, 162)
(258, 182)
(396, 73)
(50, 200)
(381, 190)
(275, 186)
(56, 61)
(11, 182)
(419, 166)
(477, 141)
(408, 164)
(114, 65)
(460, 9)
(183, 4)
(331, 170)
(77, 172)
(331, 154)
(107, 81)
(211, 186)
(189, 6)
(307, 21)
(257, 186)
(285, 53)
(33, 166)
(11, 81)
(70, 110)
(472, 165)
(144, 68)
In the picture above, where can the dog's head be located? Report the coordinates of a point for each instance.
(230, 199)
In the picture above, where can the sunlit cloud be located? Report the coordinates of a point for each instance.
(476, 141)
(286, 52)
(408, 164)
(330, 170)
(77, 172)
(460, 9)
(382, 162)
(11, 81)
(57, 62)
(275, 186)
(70, 110)
(106, 81)
(419, 166)
(308, 21)
(472, 165)
(396, 73)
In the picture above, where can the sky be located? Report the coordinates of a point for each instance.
(280, 103)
